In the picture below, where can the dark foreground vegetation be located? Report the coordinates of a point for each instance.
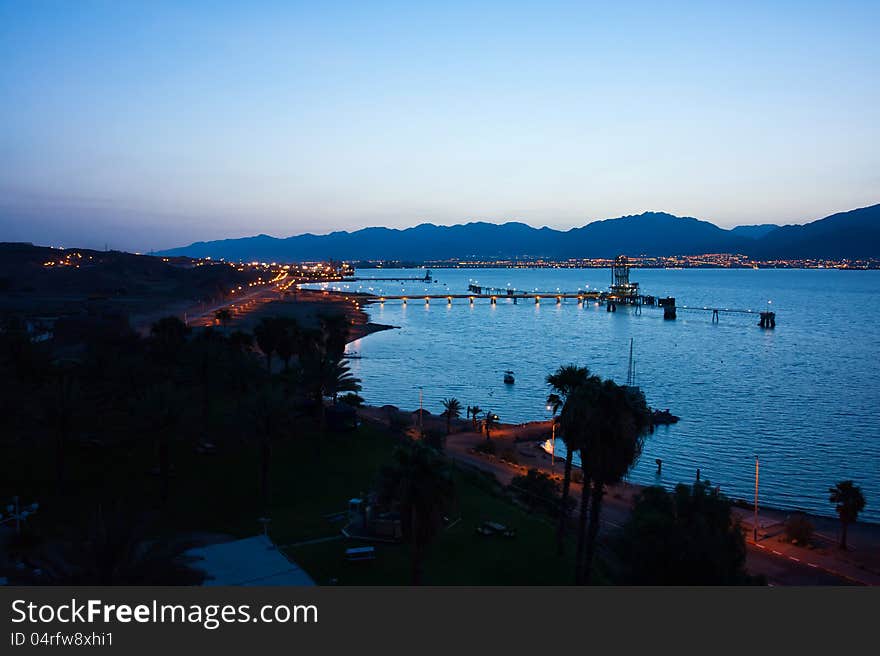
(144, 447)
(140, 448)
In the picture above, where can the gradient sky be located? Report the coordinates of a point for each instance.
(150, 125)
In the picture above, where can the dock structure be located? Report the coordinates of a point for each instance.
(492, 298)
(426, 278)
(622, 291)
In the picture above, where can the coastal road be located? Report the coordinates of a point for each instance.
(778, 568)
(781, 570)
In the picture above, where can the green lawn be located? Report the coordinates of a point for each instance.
(311, 478)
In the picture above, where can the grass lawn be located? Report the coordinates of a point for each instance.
(311, 478)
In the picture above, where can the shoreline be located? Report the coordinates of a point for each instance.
(534, 434)
(771, 553)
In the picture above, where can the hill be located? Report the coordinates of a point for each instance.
(850, 234)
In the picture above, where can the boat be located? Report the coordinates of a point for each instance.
(508, 378)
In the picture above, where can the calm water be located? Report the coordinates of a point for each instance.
(804, 397)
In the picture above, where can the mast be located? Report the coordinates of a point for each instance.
(631, 369)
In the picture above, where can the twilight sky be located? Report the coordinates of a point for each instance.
(154, 124)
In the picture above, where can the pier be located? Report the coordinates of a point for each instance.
(426, 278)
(622, 291)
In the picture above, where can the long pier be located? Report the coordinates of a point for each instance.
(622, 292)
(493, 298)
(767, 319)
(426, 278)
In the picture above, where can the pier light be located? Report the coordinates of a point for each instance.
(427, 299)
(449, 300)
(537, 299)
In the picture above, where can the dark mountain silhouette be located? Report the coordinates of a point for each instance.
(850, 234)
(754, 231)
(853, 235)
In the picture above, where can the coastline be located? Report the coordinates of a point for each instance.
(860, 564)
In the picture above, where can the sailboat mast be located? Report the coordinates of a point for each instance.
(630, 371)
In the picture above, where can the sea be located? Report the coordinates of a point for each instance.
(803, 398)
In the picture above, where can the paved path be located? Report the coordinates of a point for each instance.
(780, 562)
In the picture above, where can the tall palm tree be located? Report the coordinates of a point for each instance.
(609, 422)
(335, 331)
(267, 334)
(849, 502)
(452, 410)
(160, 409)
(476, 411)
(338, 378)
(489, 423)
(269, 417)
(563, 382)
(418, 482)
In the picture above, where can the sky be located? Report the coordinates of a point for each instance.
(149, 125)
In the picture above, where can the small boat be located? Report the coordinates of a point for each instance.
(508, 378)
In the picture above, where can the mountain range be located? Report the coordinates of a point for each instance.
(854, 235)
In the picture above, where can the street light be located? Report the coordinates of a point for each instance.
(755, 523)
(552, 438)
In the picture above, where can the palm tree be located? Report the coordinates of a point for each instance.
(269, 418)
(418, 482)
(267, 334)
(169, 334)
(452, 410)
(489, 423)
(849, 502)
(338, 378)
(160, 409)
(224, 316)
(609, 423)
(475, 414)
(563, 382)
(335, 330)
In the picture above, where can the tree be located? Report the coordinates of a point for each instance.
(338, 379)
(609, 423)
(269, 418)
(159, 410)
(849, 502)
(489, 423)
(114, 549)
(563, 382)
(452, 410)
(335, 331)
(169, 335)
(686, 537)
(476, 411)
(268, 333)
(419, 484)
(289, 339)
(241, 340)
(223, 316)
